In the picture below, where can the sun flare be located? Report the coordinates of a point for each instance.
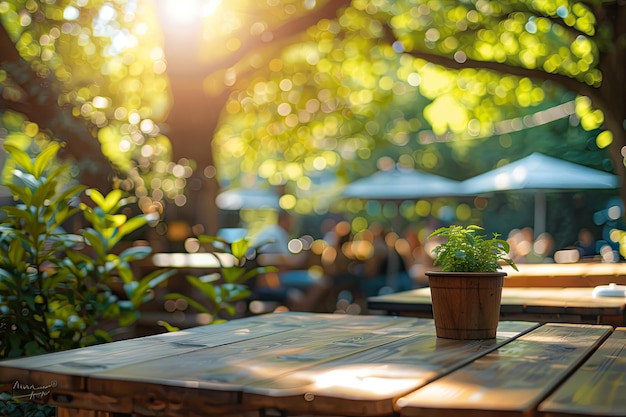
(184, 11)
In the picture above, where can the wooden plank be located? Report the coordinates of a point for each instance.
(220, 366)
(219, 373)
(70, 412)
(511, 380)
(65, 372)
(94, 359)
(598, 387)
(367, 382)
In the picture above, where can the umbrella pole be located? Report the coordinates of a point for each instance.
(540, 213)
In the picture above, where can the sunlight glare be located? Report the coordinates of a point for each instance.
(210, 7)
(71, 13)
(366, 378)
(187, 10)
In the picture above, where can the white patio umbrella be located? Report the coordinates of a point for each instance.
(540, 173)
(246, 198)
(401, 184)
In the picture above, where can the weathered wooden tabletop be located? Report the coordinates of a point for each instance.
(291, 364)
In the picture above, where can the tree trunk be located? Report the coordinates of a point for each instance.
(194, 116)
(191, 122)
(613, 87)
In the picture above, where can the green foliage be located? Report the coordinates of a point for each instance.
(469, 251)
(386, 98)
(221, 291)
(57, 288)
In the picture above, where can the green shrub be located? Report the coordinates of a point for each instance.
(219, 292)
(467, 250)
(58, 289)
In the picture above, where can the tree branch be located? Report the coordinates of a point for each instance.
(566, 82)
(292, 27)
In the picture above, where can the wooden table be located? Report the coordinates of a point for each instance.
(543, 304)
(295, 364)
(580, 274)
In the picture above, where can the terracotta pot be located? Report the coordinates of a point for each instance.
(466, 305)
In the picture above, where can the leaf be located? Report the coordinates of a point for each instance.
(95, 196)
(240, 247)
(235, 292)
(168, 326)
(135, 253)
(116, 220)
(130, 288)
(128, 317)
(102, 335)
(17, 252)
(20, 157)
(18, 192)
(150, 281)
(132, 224)
(232, 274)
(70, 193)
(27, 179)
(111, 202)
(62, 216)
(95, 240)
(7, 282)
(44, 196)
(211, 239)
(43, 159)
(125, 271)
(207, 289)
(256, 271)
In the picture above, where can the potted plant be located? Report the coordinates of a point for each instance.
(467, 291)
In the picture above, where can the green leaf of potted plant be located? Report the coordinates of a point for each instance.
(466, 292)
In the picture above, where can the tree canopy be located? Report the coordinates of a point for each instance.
(295, 94)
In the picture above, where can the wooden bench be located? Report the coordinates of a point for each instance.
(513, 379)
(598, 387)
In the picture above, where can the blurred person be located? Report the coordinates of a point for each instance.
(387, 271)
(521, 244)
(586, 244)
(416, 258)
(294, 283)
(340, 263)
(544, 248)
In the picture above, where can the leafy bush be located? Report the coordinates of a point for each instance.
(469, 251)
(221, 291)
(58, 289)
(61, 290)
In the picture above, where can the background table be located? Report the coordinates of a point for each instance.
(294, 364)
(580, 274)
(543, 304)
